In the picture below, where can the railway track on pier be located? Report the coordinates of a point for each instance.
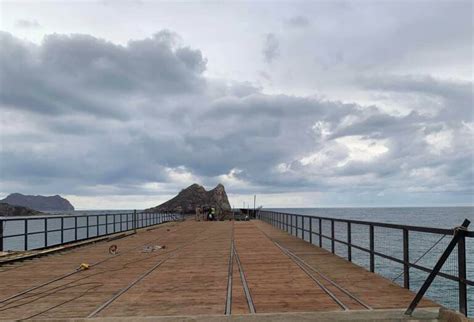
(234, 259)
(345, 299)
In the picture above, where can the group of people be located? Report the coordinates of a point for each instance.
(205, 213)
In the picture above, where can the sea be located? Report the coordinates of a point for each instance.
(425, 249)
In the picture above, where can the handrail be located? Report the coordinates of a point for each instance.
(302, 227)
(443, 231)
(100, 226)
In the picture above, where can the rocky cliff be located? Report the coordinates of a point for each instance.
(9, 210)
(196, 196)
(42, 203)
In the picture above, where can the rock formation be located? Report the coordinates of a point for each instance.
(196, 196)
(42, 203)
(9, 210)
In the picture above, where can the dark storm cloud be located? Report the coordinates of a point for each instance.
(83, 74)
(81, 115)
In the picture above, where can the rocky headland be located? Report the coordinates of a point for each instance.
(196, 196)
(7, 210)
(41, 203)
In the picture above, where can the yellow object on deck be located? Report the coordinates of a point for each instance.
(84, 266)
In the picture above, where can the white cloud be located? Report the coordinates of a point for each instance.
(362, 149)
(439, 141)
(181, 176)
(322, 129)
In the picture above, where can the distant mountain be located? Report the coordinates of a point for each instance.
(42, 203)
(196, 196)
(9, 210)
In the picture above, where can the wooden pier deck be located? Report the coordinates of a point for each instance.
(267, 270)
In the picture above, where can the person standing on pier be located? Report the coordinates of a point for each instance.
(211, 215)
(198, 214)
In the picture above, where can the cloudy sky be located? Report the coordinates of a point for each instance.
(120, 104)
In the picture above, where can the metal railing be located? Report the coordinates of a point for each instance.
(344, 241)
(36, 232)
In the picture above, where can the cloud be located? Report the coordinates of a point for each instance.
(27, 24)
(84, 116)
(92, 76)
(298, 22)
(346, 42)
(271, 48)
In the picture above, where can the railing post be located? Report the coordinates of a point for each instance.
(26, 234)
(62, 230)
(121, 225)
(106, 225)
(296, 217)
(87, 226)
(291, 224)
(1, 235)
(75, 228)
(406, 259)
(302, 227)
(320, 232)
(114, 223)
(333, 248)
(462, 273)
(45, 232)
(372, 257)
(311, 230)
(135, 220)
(349, 242)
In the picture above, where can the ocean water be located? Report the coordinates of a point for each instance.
(390, 242)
